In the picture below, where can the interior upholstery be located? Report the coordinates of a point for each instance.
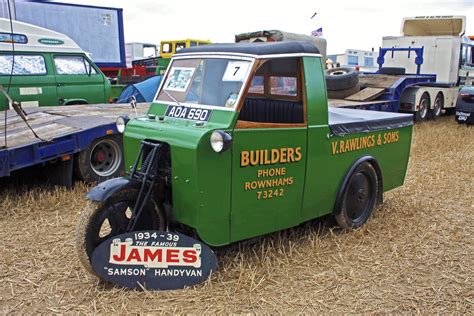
(272, 111)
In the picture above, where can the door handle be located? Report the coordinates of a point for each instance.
(59, 84)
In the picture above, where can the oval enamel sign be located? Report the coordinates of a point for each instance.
(153, 260)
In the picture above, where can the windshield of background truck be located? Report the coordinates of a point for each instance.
(205, 81)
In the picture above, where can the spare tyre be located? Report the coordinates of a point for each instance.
(341, 78)
(342, 94)
(392, 71)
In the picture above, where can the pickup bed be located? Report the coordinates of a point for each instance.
(240, 142)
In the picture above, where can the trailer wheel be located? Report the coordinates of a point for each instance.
(341, 78)
(359, 197)
(100, 221)
(437, 107)
(422, 112)
(102, 160)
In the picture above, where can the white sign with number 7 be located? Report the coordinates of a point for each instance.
(236, 71)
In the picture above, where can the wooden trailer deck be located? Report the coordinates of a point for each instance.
(341, 103)
(53, 122)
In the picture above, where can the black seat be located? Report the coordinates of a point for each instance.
(272, 111)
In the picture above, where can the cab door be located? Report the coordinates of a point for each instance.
(269, 154)
(77, 79)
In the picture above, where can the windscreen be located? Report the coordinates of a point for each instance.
(205, 81)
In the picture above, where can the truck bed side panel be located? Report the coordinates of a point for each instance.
(329, 160)
(330, 156)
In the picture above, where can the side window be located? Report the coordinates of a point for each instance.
(470, 55)
(180, 46)
(274, 95)
(166, 48)
(24, 65)
(257, 85)
(368, 61)
(73, 65)
(15, 38)
(352, 60)
(284, 86)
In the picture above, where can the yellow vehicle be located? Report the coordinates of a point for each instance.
(168, 48)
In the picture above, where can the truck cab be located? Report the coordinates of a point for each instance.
(169, 48)
(240, 142)
(442, 51)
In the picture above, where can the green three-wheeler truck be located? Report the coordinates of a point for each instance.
(240, 142)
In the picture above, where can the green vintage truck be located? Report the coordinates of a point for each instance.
(240, 142)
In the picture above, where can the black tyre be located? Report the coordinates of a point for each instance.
(438, 105)
(102, 160)
(392, 71)
(342, 94)
(359, 197)
(103, 220)
(341, 78)
(423, 107)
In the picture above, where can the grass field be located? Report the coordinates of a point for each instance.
(415, 255)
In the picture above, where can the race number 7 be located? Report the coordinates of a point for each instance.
(236, 69)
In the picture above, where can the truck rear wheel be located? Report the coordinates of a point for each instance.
(437, 107)
(423, 108)
(100, 221)
(102, 160)
(359, 197)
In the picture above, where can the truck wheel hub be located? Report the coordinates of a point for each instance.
(100, 156)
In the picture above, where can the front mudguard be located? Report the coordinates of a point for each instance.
(106, 189)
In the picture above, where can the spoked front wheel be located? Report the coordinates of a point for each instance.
(100, 221)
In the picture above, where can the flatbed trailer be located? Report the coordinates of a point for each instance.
(67, 135)
(381, 92)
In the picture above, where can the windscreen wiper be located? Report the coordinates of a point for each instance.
(171, 97)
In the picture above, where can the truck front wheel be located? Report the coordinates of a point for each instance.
(359, 197)
(100, 221)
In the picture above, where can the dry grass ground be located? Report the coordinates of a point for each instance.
(415, 255)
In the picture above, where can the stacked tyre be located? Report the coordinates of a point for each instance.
(341, 82)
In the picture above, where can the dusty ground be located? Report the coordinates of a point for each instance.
(415, 255)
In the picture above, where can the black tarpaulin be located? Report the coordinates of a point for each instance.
(349, 121)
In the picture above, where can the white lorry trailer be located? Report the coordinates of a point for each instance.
(430, 45)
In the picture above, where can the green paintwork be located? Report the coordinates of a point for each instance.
(116, 90)
(209, 192)
(57, 89)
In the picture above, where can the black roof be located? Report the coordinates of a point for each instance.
(258, 48)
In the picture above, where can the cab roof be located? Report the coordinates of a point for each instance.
(257, 49)
(451, 25)
(34, 38)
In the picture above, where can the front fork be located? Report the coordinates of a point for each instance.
(146, 175)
